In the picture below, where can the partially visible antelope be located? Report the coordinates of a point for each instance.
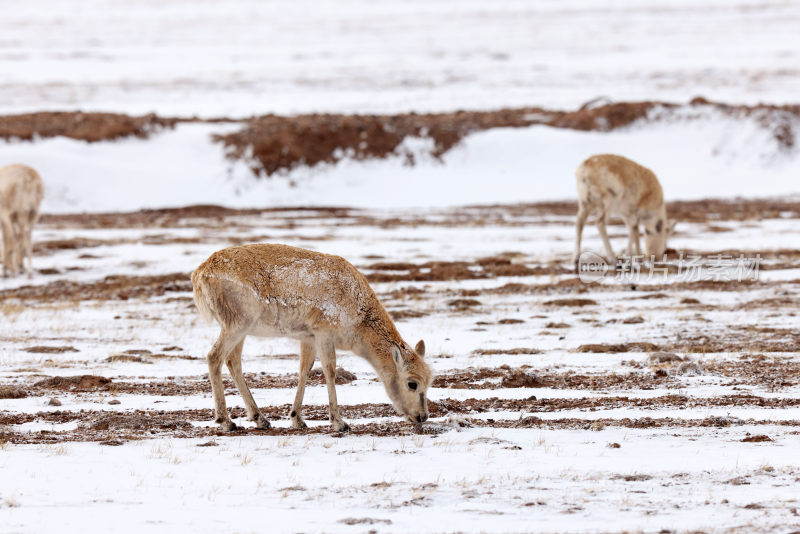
(21, 192)
(319, 299)
(613, 185)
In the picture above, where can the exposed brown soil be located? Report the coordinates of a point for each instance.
(439, 408)
(179, 217)
(506, 377)
(473, 378)
(43, 247)
(638, 346)
(489, 267)
(75, 383)
(518, 350)
(12, 392)
(570, 302)
(169, 387)
(714, 210)
(507, 215)
(140, 424)
(280, 143)
(510, 321)
(772, 372)
(463, 304)
(697, 344)
(643, 422)
(343, 376)
(399, 315)
(757, 439)
(113, 287)
(89, 127)
(45, 349)
(757, 369)
(521, 379)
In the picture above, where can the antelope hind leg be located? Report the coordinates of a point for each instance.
(234, 363)
(222, 347)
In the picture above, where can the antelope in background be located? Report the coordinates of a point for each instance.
(319, 299)
(21, 193)
(613, 185)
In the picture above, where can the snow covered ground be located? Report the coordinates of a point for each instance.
(608, 441)
(248, 57)
(554, 409)
(708, 155)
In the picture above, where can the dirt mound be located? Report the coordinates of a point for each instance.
(570, 302)
(12, 392)
(521, 379)
(664, 357)
(463, 304)
(75, 383)
(316, 377)
(606, 117)
(637, 346)
(89, 127)
(757, 439)
(279, 143)
(272, 144)
(44, 349)
(517, 350)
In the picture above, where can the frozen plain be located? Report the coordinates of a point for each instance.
(548, 464)
(249, 57)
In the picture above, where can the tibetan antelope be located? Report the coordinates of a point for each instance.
(21, 192)
(613, 185)
(318, 299)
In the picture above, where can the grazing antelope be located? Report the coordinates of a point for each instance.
(21, 192)
(319, 299)
(613, 185)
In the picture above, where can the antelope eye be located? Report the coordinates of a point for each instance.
(412, 385)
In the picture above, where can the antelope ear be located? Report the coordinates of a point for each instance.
(420, 348)
(398, 356)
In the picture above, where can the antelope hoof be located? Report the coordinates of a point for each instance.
(340, 426)
(261, 422)
(226, 424)
(229, 426)
(298, 423)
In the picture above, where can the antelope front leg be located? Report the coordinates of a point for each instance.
(580, 220)
(306, 361)
(636, 240)
(601, 227)
(28, 248)
(327, 357)
(8, 241)
(17, 245)
(633, 235)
